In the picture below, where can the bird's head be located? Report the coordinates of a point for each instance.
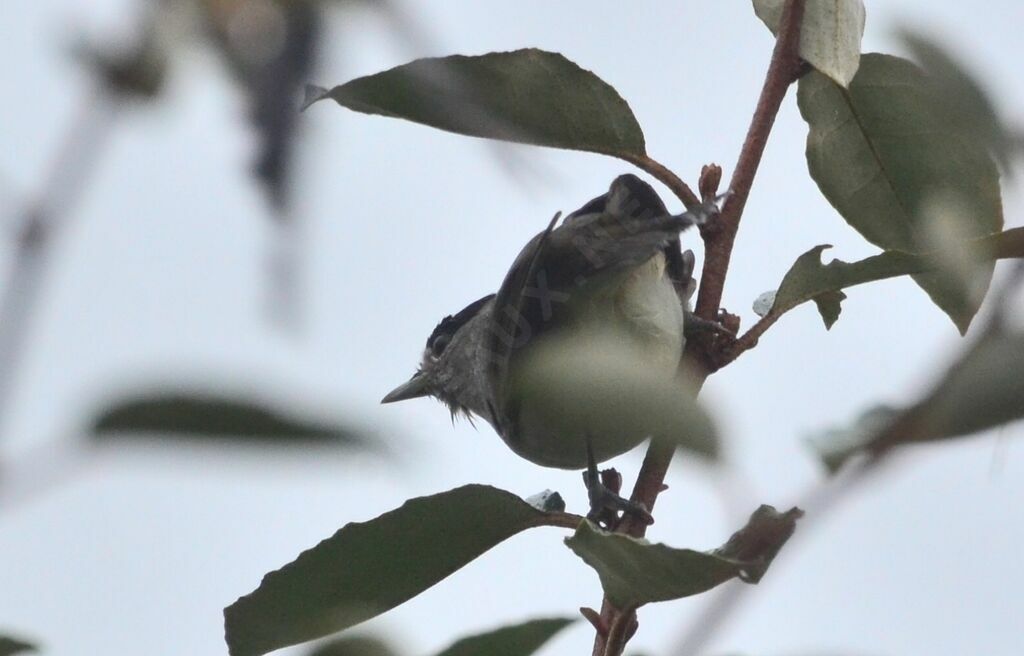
(451, 369)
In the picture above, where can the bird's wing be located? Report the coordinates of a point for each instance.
(618, 230)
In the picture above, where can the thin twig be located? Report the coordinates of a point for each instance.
(664, 175)
(782, 71)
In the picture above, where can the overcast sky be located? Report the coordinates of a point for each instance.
(161, 275)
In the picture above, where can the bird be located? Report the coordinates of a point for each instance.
(604, 294)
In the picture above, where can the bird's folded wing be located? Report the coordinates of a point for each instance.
(619, 230)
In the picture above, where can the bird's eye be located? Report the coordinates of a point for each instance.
(439, 345)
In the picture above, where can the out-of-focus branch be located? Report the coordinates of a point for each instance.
(77, 157)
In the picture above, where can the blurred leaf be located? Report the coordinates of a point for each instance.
(591, 384)
(368, 568)
(202, 415)
(880, 149)
(138, 72)
(353, 646)
(10, 646)
(809, 279)
(527, 96)
(516, 640)
(830, 34)
(964, 100)
(982, 390)
(635, 572)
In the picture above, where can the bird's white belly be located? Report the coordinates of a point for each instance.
(590, 382)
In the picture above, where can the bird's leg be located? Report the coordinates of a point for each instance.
(603, 491)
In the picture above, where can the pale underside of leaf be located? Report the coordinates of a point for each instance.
(830, 34)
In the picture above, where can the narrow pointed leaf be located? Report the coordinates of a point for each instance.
(370, 567)
(208, 416)
(635, 572)
(985, 389)
(527, 96)
(881, 150)
(830, 34)
(516, 640)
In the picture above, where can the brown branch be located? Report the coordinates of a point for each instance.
(620, 632)
(559, 520)
(666, 177)
(782, 71)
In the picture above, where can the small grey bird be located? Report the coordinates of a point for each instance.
(602, 294)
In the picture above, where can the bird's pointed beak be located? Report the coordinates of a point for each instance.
(413, 388)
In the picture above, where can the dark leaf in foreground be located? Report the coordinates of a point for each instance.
(527, 96)
(370, 567)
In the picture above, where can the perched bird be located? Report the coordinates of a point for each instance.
(547, 359)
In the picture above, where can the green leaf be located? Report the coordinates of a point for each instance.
(809, 279)
(353, 646)
(10, 646)
(830, 34)
(635, 572)
(829, 307)
(368, 568)
(516, 640)
(207, 416)
(965, 102)
(527, 96)
(881, 151)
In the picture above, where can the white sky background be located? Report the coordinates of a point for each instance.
(160, 275)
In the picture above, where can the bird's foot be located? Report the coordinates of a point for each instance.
(605, 502)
